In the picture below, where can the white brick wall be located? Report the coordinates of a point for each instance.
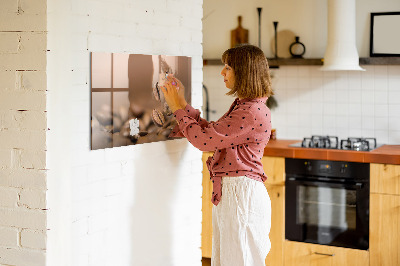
(134, 205)
(9, 237)
(23, 128)
(34, 239)
(8, 197)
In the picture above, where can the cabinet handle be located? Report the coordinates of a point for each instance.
(324, 254)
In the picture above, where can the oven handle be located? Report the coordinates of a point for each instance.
(357, 185)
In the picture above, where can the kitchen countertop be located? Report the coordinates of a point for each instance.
(389, 154)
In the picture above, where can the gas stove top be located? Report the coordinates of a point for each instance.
(332, 142)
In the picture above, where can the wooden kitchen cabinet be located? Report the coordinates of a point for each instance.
(385, 215)
(385, 178)
(305, 254)
(274, 168)
(277, 233)
(384, 236)
(206, 225)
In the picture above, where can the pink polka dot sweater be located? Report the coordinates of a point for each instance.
(238, 139)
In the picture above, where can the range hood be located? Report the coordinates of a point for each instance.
(341, 51)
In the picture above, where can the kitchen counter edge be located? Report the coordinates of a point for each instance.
(386, 154)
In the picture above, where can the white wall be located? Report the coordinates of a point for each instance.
(311, 102)
(133, 205)
(306, 19)
(23, 133)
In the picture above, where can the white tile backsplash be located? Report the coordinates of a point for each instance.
(304, 82)
(381, 122)
(367, 122)
(342, 96)
(394, 82)
(292, 82)
(342, 109)
(291, 71)
(394, 97)
(367, 83)
(355, 96)
(381, 97)
(367, 110)
(345, 103)
(381, 110)
(380, 71)
(381, 83)
(382, 136)
(367, 96)
(304, 72)
(394, 110)
(342, 123)
(394, 123)
(393, 71)
(394, 137)
(342, 81)
(329, 109)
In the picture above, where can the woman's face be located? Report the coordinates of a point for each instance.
(229, 76)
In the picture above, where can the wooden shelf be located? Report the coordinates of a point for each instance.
(380, 61)
(273, 63)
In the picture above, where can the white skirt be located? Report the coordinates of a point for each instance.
(241, 223)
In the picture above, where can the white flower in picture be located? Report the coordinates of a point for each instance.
(134, 126)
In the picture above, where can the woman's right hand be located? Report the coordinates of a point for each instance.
(181, 91)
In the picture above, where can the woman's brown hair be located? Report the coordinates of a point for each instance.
(250, 66)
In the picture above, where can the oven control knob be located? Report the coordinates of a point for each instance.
(343, 168)
(308, 166)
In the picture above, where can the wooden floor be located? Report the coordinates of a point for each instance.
(206, 261)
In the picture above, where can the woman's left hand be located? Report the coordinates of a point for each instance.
(171, 95)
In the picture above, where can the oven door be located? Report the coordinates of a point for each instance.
(327, 213)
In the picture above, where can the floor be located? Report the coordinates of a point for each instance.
(206, 261)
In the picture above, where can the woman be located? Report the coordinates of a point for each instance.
(242, 208)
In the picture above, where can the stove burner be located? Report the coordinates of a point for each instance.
(328, 142)
(332, 142)
(358, 144)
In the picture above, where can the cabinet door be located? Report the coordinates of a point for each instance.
(274, 168)
(304, 254)
(385, 178)
(206, 232)
(277, 233)
(384, 230)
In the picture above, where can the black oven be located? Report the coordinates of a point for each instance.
(327, 202)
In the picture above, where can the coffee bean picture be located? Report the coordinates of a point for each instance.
(127, 104)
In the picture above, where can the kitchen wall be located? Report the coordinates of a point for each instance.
(133, 205)
(342, 103)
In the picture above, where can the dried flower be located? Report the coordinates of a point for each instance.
(134, 126)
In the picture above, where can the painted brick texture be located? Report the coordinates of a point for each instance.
(33, 239)
(49, 177)
(22, 132)
(135, 205)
